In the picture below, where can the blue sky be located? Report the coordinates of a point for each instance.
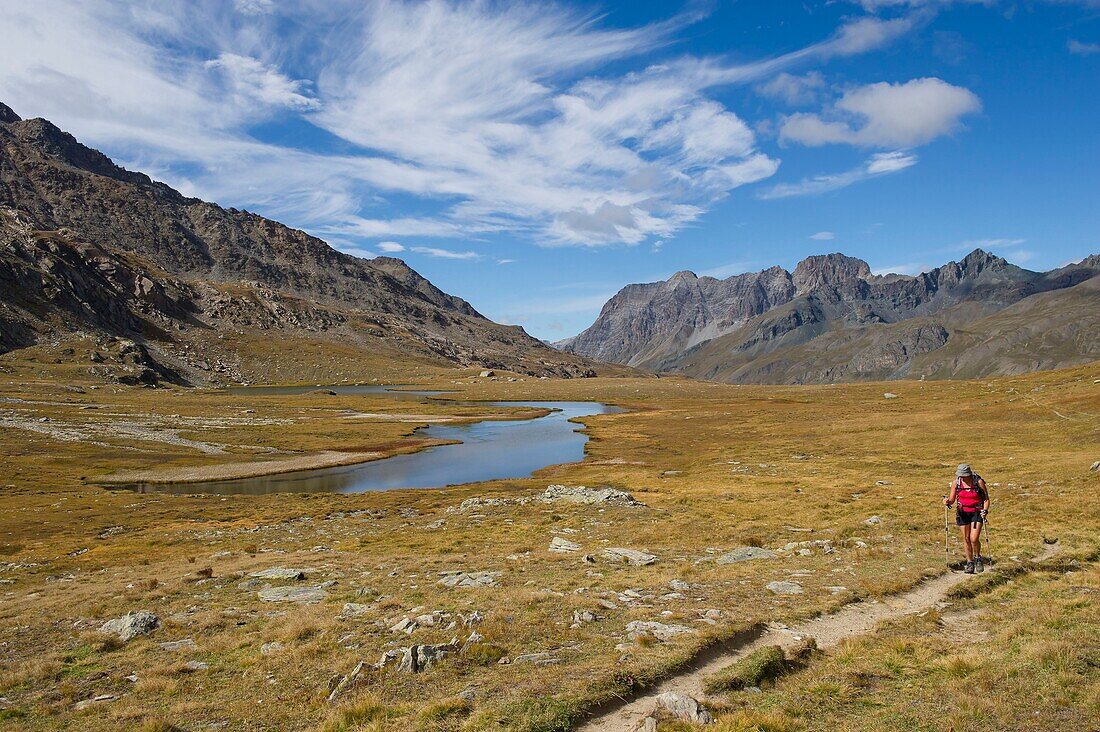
(533, 158)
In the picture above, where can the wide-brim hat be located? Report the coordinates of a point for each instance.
(963, 471)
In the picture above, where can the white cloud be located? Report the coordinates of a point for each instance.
(506, 261)
(253, 79)
(792, 89)
(254, 7)
(823, 236)
(391, 247)
(487, 116)
(445, 253)
(992, 243)
(878, 164)
(885, 115)
(1082, 49)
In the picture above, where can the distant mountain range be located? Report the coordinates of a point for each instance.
(176, 284)
(832, 320)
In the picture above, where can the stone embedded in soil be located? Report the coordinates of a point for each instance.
(187, 644)
(131, 625)
(684, 708)
(744, 554)
(80, 705)
(873, 520)
(468, 579)
(269, 648)
(354, 609)
(563, 546)
(785, 588)
(660, 631)
(303, 595)
(588, 496)
(631, 556)
(279, 573)
(542, 658)
(1095, 467)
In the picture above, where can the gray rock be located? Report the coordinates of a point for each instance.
(660, 631)
(303, 595)
(131, 625)
(193, 666)
(542, 658)
(468, 579)
(279, 573)
(1095, 467)
(486, 374)
(744, 554)
(420, 658)
(684, 708)
(355, 609)
(872, 521)
(785, 588)
(588, 496)
(631, 556)
(563, 546)
(268, 649)
(889, 395)
(84, 704)
(187, 644)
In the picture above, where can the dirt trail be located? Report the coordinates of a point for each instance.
(828, 630)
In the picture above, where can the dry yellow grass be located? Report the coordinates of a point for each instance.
(718, 467)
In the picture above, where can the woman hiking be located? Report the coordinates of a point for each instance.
(968, 489)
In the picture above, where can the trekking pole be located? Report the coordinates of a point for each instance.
(946, 537)
(988, 543)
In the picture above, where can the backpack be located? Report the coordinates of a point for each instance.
(976, 493)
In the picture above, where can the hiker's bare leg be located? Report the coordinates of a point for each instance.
(975, 539)
(965, 531)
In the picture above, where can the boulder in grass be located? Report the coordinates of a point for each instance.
(684, 708)
(301, 595)
(744, 554)
(279, 573)
(785, 588)
(660, 631)
(468, 579)
(131, 625)
(563, 546)
(630, 556)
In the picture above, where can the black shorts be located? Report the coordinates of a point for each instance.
(965, 518)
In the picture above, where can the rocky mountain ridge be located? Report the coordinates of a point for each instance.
(89, 248)
(831, 319)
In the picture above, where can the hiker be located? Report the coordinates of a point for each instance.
(968, 489)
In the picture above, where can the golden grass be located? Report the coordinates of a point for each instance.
(718, 467)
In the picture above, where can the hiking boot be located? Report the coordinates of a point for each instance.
(979, 567)
(969, 568)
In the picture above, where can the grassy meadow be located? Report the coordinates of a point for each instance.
(718, 467)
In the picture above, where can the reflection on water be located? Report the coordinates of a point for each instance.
(489, 450)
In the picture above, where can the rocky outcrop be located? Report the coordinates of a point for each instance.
(87, 246)
(831, 320)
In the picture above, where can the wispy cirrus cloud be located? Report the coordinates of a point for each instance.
(877, 165)
(823, 236)
(445, 253)
(488, 117)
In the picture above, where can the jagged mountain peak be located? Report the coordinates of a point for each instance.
(702, 329)
(8, 115)
(827, 270)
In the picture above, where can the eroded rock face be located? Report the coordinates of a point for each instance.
(832, 320)
(87, 246)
